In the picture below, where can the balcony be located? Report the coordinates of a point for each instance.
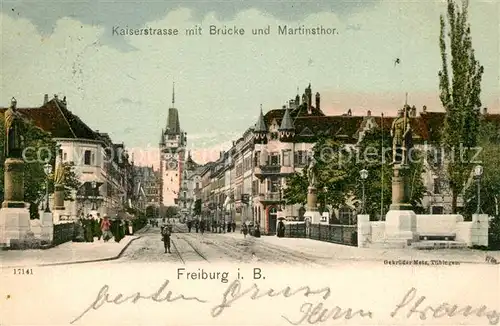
(264, 171)
(270, 198)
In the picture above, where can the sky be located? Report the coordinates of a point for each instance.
(123, 84)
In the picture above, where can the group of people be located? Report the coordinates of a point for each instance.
(90, 227)
(252, 229)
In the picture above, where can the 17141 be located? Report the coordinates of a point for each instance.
(23, 271)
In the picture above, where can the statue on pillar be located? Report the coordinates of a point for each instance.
(401, 137)
(13, 138)
(59, 174)
(311, 173)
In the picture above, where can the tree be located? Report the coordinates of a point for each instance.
(331, 187)
(460, 89)
(296, 188)
(489, 157)
(373, 154)
(333, 179)
(151, 212)
(171, 212)
(339, 174)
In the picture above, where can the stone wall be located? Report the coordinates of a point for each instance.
(474, 233)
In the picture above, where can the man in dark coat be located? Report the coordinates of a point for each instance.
(166, 232)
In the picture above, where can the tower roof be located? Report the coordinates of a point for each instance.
(260, 126)
(173, 125)
(286, 123)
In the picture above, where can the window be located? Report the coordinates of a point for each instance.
(65, 157)
(300, 158)
(87, 157)
(274, 159)
(255, 187)
(287, 157)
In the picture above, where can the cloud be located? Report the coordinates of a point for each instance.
(134, 14)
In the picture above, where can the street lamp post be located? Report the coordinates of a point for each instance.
(325, 190)
(94, 191)
(47, 168)
(280, 190)
(363, 174)
(478, 172)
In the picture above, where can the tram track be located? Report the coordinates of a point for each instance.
(177, 251)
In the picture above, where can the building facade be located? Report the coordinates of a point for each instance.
(147, 187)
(102, 168)
(281, 143)
(172, 147)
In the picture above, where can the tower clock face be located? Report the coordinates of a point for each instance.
(171, 164)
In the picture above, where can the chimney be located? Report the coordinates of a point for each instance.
(485, 111)
(45, 99)
(318, 97)
(369, 113)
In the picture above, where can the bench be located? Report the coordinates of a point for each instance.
(438, 236)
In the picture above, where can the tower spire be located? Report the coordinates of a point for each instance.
(173, 94)
(406, 99)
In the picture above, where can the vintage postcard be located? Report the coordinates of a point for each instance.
(250, 162)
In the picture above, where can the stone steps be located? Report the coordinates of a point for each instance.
(390, 244)
(438, 244)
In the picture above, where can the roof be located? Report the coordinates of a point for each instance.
(173, 125)
(260, 126)
(190, 163)
(55, 118)
(287, 123)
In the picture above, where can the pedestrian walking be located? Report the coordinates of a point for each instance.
(234, 226)
(105, 228)
(96, 226)
(244, 230)
(281, 229)
(166, 232)
(89, 232)
(202, 226)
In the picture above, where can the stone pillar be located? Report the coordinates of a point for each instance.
(312, 210)
(14, 183)
(479, 231)
(400, 188)
(59, 197)
(401, 220)
(364, 231)
(15, 228)
(312, 199)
